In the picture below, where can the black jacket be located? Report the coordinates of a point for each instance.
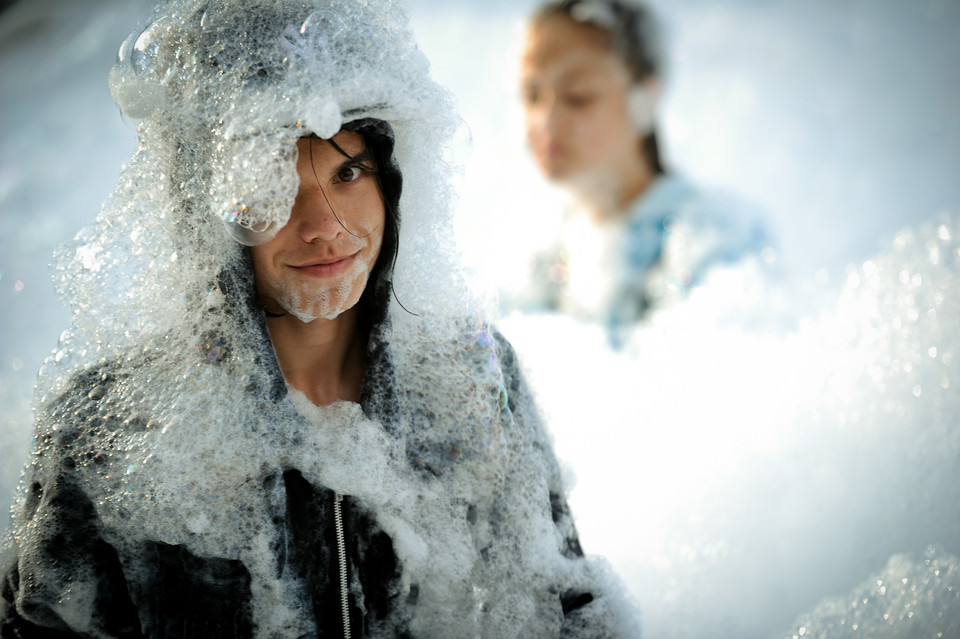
(156, 589)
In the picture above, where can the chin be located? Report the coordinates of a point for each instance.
(562, 175)
(559, 170)
(553, 171)
(328, 307)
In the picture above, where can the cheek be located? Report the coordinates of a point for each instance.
(376, 219)
(259, 258)
(376, 241)
(369, 225)
(604, 128)
(266, 274)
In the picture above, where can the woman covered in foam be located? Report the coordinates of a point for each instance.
(302, 426)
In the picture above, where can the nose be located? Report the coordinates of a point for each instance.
(543, 117)
(314, 214)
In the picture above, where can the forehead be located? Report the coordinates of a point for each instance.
(558, 49)
(351, 142)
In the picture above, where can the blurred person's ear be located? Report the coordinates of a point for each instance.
(642, 100)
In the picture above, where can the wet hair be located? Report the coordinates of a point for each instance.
(634, 35)
(379, 140)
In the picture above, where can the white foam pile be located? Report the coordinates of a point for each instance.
(773, 445)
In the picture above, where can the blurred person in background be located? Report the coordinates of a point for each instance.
(638, 234)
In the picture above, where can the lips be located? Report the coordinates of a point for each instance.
(550, 150)
(327, 266)
(556, 149)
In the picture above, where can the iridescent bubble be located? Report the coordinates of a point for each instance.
(327, 23)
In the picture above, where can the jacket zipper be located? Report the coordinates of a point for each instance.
(342, 556)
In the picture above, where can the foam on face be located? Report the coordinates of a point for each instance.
(327, 302)
(156, 394)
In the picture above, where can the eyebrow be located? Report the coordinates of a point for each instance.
(364, 157)
(364, 153)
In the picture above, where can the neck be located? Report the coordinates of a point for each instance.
(607, 195)
(324, 359)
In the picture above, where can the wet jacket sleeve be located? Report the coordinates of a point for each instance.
(63, 579)
(61, 574)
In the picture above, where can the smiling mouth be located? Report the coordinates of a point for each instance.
(554, 149)
(327, 267)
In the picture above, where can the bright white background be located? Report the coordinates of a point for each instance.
(838, 118)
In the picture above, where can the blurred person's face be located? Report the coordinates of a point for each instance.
(575, 91)
(317, 266)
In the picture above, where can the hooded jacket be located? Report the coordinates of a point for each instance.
(74, 574)
(177, 487)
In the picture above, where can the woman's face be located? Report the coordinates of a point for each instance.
(318, 264)
(575, 101)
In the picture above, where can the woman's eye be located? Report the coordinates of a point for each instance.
(530, 96)
(579, 99)
(349, 173)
